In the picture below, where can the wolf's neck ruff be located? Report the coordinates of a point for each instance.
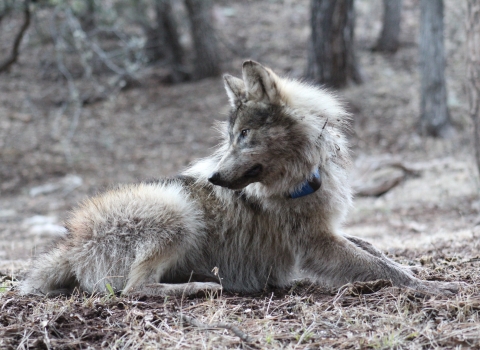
(309, 186)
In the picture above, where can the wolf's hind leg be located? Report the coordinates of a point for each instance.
(152, 262)
(180, 289)
(133, 235)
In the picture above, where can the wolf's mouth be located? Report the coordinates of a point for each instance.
(251, 175)
(254, 171)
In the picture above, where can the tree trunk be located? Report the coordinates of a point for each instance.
(163, 42)
(331, 56)
(167, 24)
(207, 56)
(434, 116)
(168, 27)
(473, 70)
(389, 37)
(154, 48)
(5, 64)
(87, 18)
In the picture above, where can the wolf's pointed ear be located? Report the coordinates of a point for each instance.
(260, 83)
(235, 89)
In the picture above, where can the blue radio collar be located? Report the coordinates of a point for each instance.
(309, 186)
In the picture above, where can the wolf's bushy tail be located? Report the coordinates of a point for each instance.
(49, 272)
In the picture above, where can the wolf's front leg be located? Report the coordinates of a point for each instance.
(368, 247)
(340, 260)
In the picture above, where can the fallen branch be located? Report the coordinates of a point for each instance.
(18, 39)
(375, 190)
(235, 330)
(380, 176)
(469, 261)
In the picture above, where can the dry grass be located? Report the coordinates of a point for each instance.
(373, 315)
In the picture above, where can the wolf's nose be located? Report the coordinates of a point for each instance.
(215, 178)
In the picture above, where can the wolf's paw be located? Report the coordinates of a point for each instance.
(182, 289)
(440, 288)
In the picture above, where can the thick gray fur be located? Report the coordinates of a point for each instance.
(185, 234)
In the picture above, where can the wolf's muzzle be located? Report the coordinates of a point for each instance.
(216, 179)
(251, 175)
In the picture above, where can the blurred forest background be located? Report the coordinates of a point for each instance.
(94, 93)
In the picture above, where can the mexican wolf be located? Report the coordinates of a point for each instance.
(266, 208)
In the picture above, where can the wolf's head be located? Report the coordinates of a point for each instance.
(278, 133)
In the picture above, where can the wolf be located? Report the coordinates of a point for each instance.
(265, 209)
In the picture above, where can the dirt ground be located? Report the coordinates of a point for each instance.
(50, 160)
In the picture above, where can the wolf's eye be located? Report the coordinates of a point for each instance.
(244, 133)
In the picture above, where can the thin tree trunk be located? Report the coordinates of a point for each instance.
(331, 56)
(168, 27)
(389, 37)
(87, 19)
(18, 39)
(434, 117)
(207, 56)
(154, 48)
(167, 24)
(473, 70)
(163, 42)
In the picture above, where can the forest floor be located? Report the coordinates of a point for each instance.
(50, 160)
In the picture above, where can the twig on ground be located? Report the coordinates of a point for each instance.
(469, 261)
(268, 306)
(5, 303)
(235, 330)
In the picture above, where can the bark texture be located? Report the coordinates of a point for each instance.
(473, 70)
(331, 57)
(87, 18)
(207, 56)
(166, 23)
(5, 64)
(389, 37)
(163, 41)
(434, 115)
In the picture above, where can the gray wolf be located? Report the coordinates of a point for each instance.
(266, 208)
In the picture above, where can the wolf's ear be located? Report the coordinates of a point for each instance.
(235, 89)
(260, 83)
